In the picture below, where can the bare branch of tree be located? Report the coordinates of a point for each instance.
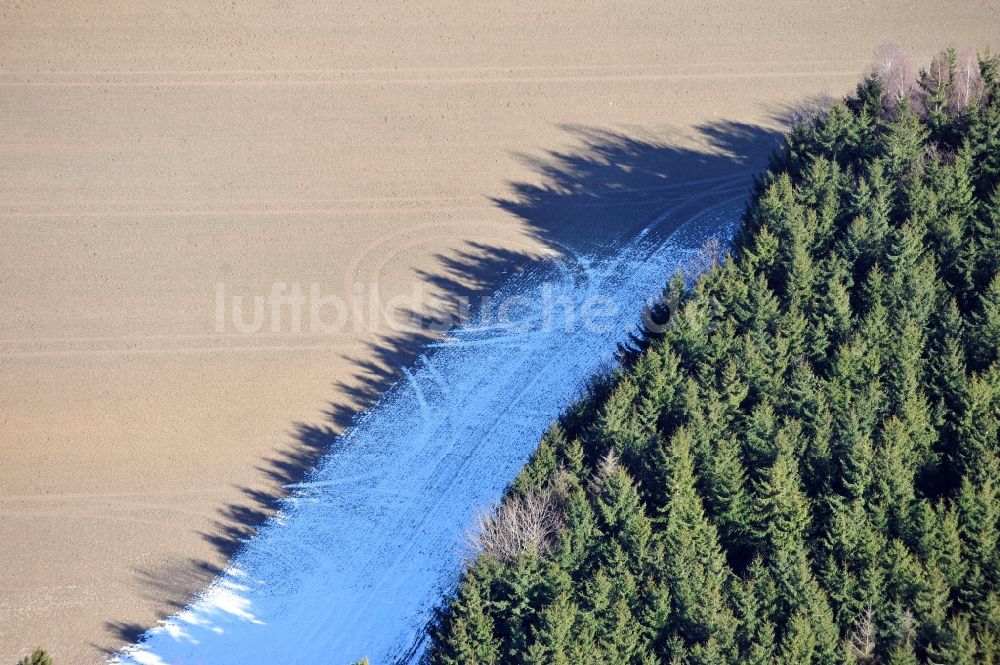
(896, 71)
(969, 87)
(861, 639)
(521, 523)
(907, 626)
(808, 110)
(708, 257)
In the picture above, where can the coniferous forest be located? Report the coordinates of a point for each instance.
(801, 466)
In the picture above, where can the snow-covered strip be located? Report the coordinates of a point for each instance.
(367, 545)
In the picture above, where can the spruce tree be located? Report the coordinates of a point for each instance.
(800, 465)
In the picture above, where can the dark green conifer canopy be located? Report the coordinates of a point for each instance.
(812, 477)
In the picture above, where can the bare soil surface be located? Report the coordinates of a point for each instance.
(151, 152)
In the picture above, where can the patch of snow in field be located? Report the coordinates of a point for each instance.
(367, 546)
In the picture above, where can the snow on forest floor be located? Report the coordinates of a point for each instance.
(366, 547)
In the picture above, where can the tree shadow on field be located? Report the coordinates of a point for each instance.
(603, 189)
(613, 184)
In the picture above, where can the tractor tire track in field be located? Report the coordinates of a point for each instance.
(367, 545)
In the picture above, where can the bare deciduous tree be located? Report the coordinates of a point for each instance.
(709, 255)
(809, 109)
(907, 626)
(969, 86)
(896, 71)
(522, 522)
(861, 639)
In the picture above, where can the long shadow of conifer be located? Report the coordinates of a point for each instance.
(604, 190)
